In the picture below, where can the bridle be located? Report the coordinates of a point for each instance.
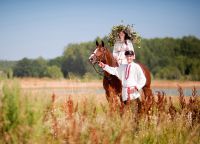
(98, 59)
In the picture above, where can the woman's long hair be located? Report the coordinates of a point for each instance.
(126, 37)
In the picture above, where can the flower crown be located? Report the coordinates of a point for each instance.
(113, 36)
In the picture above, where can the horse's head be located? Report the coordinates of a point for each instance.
(98, 54)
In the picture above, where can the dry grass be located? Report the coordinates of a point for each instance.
(87, 117)
(175, 84)
(86, 122)
(63, 83)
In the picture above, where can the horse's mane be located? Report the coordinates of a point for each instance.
(110, 60)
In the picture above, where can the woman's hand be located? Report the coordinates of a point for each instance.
(102, 65)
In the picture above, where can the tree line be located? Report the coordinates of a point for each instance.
(166, 58)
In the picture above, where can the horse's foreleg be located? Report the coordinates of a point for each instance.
(108, 97)
(147, 92)
(148, 101)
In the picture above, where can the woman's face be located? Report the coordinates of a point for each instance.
(121, 35)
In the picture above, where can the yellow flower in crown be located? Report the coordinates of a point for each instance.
(113, 35)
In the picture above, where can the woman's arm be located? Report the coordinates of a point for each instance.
(130, 45)
(115, 52)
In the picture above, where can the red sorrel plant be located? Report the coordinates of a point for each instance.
(55, 127)
(70, 107)
(172, 109)
(182, 101)
(193, 107)
(160, 102)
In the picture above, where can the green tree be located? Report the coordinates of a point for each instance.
(169, 72)
(39, 67)
(30, 68)
(56, 61)
(23, 68)
(54, 72)
(190, 47)
(75, 58)
(195, 70)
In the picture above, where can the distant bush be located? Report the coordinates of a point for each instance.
(54, 72)
(2, 75)
(169, 72)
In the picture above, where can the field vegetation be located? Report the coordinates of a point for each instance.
(35, 116)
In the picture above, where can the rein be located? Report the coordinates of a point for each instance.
(101, 73)
(97, 71)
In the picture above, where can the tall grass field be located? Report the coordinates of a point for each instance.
(37, 112)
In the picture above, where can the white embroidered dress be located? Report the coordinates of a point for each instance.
(131, 76)
(119, 50)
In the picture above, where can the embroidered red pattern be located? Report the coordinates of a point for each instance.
(127, 71)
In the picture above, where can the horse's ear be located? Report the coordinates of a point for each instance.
(102, 43)
(97, 44)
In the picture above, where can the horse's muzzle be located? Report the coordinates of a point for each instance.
(92, 60)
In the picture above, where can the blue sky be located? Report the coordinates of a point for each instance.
(34, 28)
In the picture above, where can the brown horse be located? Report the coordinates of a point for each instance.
(111, 83)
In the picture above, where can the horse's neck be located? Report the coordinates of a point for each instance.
(110, 60)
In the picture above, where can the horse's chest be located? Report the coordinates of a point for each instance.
(113, 84)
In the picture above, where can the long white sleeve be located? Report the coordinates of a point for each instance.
(115, 51)
(130, 45)
(112, 70)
